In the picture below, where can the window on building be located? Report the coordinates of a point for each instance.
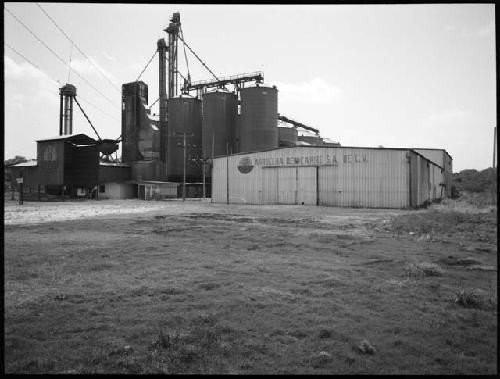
(102, 188)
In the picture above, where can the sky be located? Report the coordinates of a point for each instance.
(421, 75)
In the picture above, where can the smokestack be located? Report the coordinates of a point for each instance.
(162, 55)
(66, 96)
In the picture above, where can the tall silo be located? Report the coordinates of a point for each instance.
(219, 122)
(184, 116)
(258, 129)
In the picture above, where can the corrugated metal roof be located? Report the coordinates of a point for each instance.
(321, 147)
(26, 164)
(429, 148)
(67, 136)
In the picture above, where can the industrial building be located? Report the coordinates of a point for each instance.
(224, 138)
(332, 176)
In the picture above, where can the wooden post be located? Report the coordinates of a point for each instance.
(21, 193)
(203, 169)
(184, 170)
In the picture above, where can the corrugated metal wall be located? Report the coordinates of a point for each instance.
(443, 159)
(346, 177)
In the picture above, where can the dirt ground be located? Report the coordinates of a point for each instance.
(169, 287)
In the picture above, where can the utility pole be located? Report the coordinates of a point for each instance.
(184, 145)
(227, 172)
(203, 170)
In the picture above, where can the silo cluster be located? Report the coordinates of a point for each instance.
(221, 123)
(214, 127)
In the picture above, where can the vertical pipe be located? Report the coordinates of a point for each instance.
(203, 169)
(162, 49)
(227, 173)
(60, 113)
(184, 169)
(71, 115)
(66, 114)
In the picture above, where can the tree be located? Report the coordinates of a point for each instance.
(17, 159)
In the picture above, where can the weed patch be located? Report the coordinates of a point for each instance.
(423, 269)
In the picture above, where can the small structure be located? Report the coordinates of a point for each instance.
(156, 190)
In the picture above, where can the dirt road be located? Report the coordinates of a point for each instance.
(150, 287)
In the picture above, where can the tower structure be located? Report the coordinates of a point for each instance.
(67, 94)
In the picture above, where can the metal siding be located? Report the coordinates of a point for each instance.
(51, 172)
(85, 166)
(441, 158)
(306, 180)
(268, 194)
(376, 178)
(287, 185)
(380, 181)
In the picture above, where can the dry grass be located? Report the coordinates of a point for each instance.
(243, 290)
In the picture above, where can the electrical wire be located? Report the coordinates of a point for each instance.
(75, 45)
(153, 103)
(26, 59)
(54, 53)
(55, 81)
(147, 64)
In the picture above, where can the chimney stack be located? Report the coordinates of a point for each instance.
(67, 94)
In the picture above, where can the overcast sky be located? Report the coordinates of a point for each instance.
(365, 75)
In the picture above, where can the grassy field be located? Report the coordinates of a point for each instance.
(211, 288)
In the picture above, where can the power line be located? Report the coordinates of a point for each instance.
(75, 45)
(62, 60)
(26, 59)
(34, 65)
(147, 64)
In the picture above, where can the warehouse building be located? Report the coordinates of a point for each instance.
(332, 176)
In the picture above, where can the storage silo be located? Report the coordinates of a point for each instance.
(219, 122)
(287, 136)
(184, 116)
(259, 119)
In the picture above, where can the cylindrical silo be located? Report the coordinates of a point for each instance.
(287, 136)
(184, 116)
(219, 122)
(259, 118)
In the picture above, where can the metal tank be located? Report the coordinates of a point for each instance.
(259, 118)
(287, 136)
(184, 116)
(219, 122)
(312, 140)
